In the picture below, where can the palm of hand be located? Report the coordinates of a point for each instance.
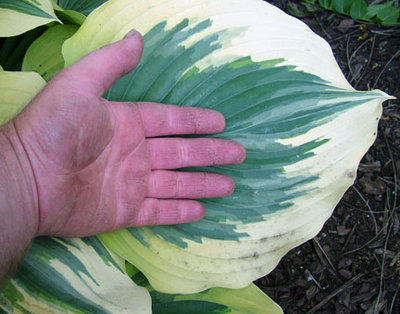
(97, 164)
(93, 159)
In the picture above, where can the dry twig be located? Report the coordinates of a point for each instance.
(368, 62)
(335, 293)
(368, 206)
(384, 68)
(319, 248)
(353, 55)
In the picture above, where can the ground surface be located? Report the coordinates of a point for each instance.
(353, 265)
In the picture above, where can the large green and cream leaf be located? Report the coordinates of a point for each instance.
(284, 98)
(20, 16)
(72, 276)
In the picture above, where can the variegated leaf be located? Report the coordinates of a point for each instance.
(284, 98)
(215, 300)
(83, 7)
(74, 276)
(19, 16)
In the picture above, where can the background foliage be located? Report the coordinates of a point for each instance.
(380, 12)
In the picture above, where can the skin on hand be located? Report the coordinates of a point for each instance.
(100, 165)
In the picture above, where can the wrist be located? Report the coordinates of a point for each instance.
(19, 210)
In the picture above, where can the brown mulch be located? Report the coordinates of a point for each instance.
(353, 264)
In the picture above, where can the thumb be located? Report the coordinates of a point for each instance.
(100, 69)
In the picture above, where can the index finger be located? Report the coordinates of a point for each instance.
(161, 120)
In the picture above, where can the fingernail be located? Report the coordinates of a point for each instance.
(132, 33)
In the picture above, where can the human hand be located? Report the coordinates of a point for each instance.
(100, 165)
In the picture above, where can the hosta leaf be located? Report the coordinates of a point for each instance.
(17, 89)
(19, 16)
(68, 16)
(73, 11)
(284, 98)
(44, 55)
(215, 300)
(84, 7)
(14, 48)
(75, 276)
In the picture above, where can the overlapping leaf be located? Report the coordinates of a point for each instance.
(75, 276)
(44, 55)
(75, 11)
(19, 16)
(84, 7)
(80, 275)
(215, 300)
(17, 89)
(284, 98)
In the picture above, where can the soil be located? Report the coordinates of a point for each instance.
(353, 264)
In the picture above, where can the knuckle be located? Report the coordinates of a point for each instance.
(179, 209)
(177, 184)
(156, 213)
(203, 184)
(214, 152)
(171, 185)
(167, 118)
(182, 152)
(191, 121)
(150, 214)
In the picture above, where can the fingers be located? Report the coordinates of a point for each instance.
(181, 185)
(161, 120)
(166, 202)
(168, 212)
(99, 70)
(173, 153)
